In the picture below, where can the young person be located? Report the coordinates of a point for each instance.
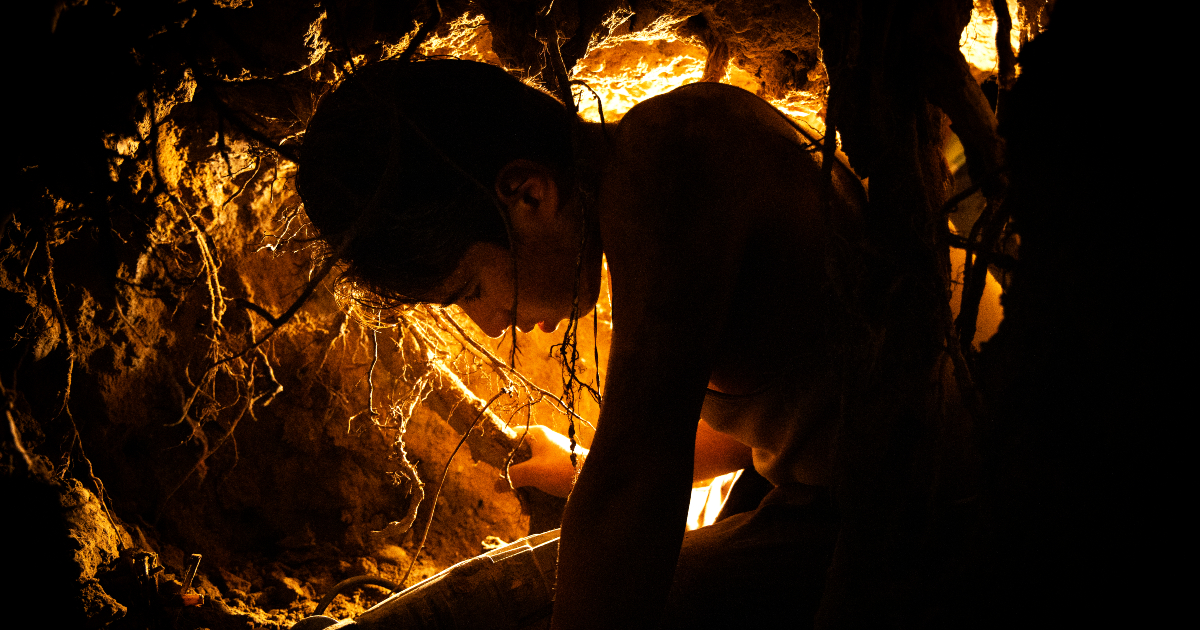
(451, 182)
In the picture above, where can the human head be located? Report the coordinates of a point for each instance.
(475, 119)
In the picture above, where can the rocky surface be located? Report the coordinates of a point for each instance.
(152, 232)
(156, 405)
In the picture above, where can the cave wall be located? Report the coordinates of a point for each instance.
(152, 230)
(148, 219)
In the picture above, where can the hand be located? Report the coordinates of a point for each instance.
(549, 470)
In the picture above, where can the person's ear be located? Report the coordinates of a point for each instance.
(528, 190)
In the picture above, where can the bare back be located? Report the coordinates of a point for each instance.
(712, 188)
(711, 220)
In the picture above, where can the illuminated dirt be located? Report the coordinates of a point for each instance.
(154, 235)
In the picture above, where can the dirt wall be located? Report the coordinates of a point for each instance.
(179, 377)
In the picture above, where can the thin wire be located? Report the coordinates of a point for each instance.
(434, 20)
(371, 370)
(599, 105)
(570, 340)
(596, 345)
(513, 453)
(445, 472)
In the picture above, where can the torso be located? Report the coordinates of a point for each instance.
(719, 144)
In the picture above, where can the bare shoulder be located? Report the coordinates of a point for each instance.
(699, 176)
(728, 146)
(699, 112)
(706, 150)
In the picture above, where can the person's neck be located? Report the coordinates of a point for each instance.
(590, 145)
(589, 141)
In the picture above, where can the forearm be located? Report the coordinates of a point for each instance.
(550, 469)
(718, 454)
(619, 545)
(625, 520)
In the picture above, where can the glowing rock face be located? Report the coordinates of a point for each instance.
(978, 41)
(628, 71)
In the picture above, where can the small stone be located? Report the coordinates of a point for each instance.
(392, 553)
(491, 543)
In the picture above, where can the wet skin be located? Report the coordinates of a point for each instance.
(709, 217)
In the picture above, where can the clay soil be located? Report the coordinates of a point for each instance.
(180, 376)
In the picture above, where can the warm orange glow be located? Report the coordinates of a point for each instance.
(707, 499)
(468, 38)
(990, 310)
(978, 41)
(627, 69)
(624, 70)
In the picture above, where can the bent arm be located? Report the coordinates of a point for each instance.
(718, 454)
(550, 470)
(674, 240)
(624, 522)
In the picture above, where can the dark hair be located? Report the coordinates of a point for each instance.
(448, 127)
